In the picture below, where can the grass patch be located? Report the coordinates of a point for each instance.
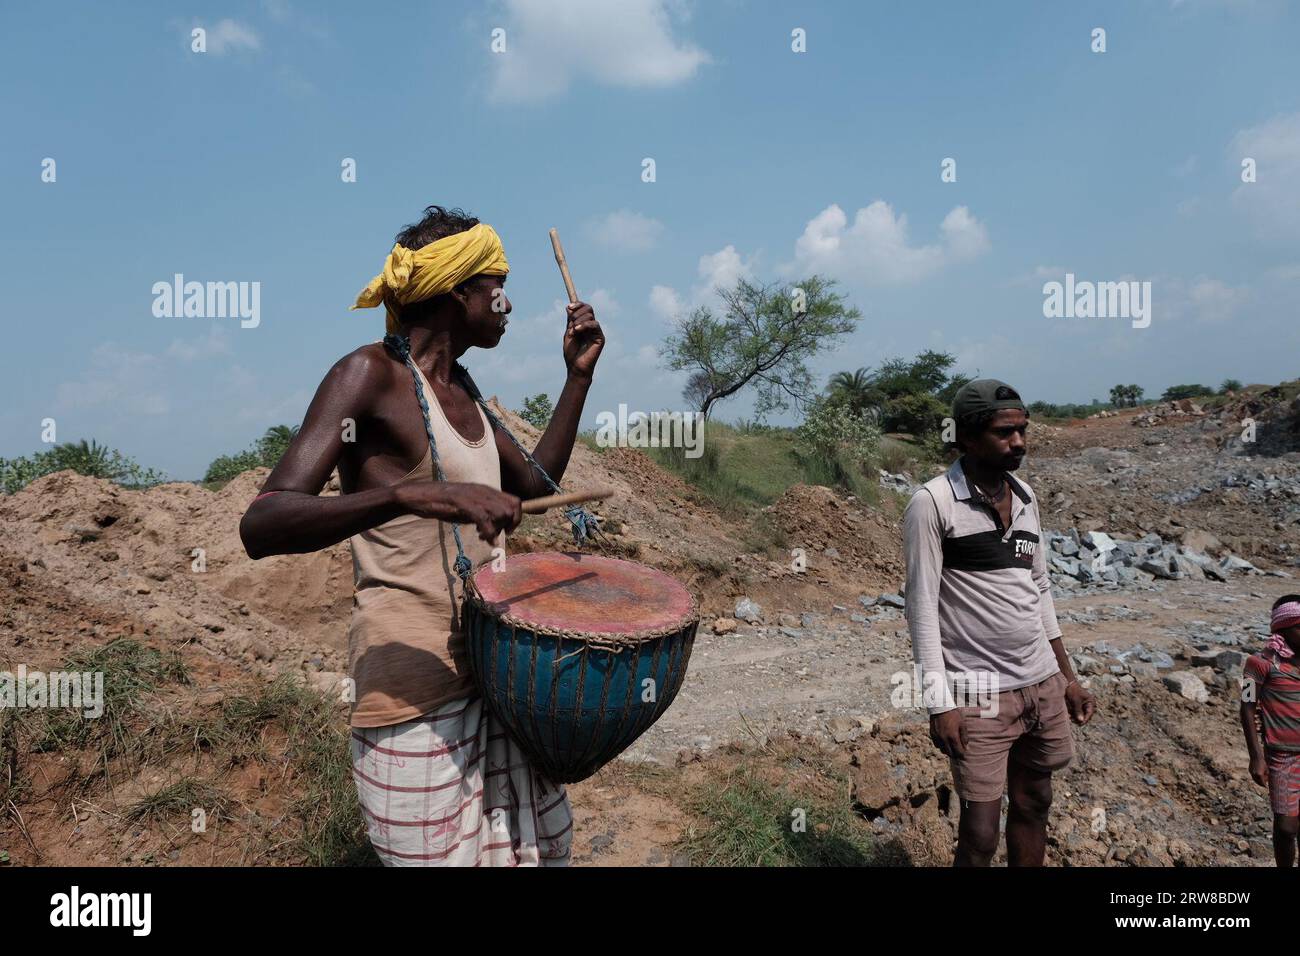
(744, 468)
(130, 671)
(749, 822)
(316, 745)
(180, 799)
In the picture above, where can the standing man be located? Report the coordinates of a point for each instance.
(980, 612)
(440, 781)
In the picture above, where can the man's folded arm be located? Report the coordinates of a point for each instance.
(923, 552)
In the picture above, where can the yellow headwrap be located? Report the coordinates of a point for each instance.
(413, 275)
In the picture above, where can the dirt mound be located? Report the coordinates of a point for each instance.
(842, 538)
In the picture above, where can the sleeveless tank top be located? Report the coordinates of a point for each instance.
(405, 644)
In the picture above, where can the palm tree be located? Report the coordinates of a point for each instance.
(855, 389)
(86, 458)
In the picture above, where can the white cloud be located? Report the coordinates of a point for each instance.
(128, 382)
(625, 231)
(666, 303)
(230, 35)
(1273, 200)
(216, 342)
(550, 44)
(964, 235)
(1202, 299)
(721, 269)
(876, 250)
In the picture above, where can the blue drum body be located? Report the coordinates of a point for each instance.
(555, 648)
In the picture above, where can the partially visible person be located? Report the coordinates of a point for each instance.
(979, 605)
(1270, 712)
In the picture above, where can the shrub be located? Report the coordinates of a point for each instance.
(1176, 392)
(537, 410)
(265, 453)
(85, 458)
(832, 428)
(916, 414)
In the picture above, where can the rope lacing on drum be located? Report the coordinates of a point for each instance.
(584, 522)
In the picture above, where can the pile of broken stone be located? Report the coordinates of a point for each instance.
(1099, 559)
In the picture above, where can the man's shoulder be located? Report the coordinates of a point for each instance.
(1257, 664)
(369, 364)
(936, 489)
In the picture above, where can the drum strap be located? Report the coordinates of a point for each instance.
(584, 523)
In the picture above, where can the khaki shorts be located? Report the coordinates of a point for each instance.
(1031, 726)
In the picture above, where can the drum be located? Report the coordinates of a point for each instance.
(577, 654)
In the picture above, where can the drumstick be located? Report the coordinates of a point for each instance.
(564, 266)
(538, 505)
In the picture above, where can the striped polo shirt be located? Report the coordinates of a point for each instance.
(1277, 692)
(979, 599)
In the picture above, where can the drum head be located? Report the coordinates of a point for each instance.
(584, 593)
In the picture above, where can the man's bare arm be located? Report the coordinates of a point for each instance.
(295, 519)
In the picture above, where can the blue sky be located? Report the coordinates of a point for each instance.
(225, 166)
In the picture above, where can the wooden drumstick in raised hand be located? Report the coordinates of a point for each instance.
(537, 505)
(564, 267)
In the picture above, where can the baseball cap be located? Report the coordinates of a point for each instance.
(985, 395)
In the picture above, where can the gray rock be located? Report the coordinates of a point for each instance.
(1187, 685)
(1229, 662)
(1160, 567)
(1099, 541)
(1084, 664)
(1066, 566)
(791, 632)
(747, 610)
(1237, 565)
(891, 600)
(1157, 659)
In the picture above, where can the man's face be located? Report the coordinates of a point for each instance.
(1002, 444)
(486, 308)
(1292, 636)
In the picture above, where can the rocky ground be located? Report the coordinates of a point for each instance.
(801, 637)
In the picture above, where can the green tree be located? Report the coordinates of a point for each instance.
(1176, 392)
(916, 414)
(537, 410)
(1126, 396)
(909, 396)
(1230, 385)
(764, 337)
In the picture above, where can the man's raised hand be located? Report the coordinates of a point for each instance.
(583, 340)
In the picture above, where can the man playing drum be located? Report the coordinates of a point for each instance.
(440, 781)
